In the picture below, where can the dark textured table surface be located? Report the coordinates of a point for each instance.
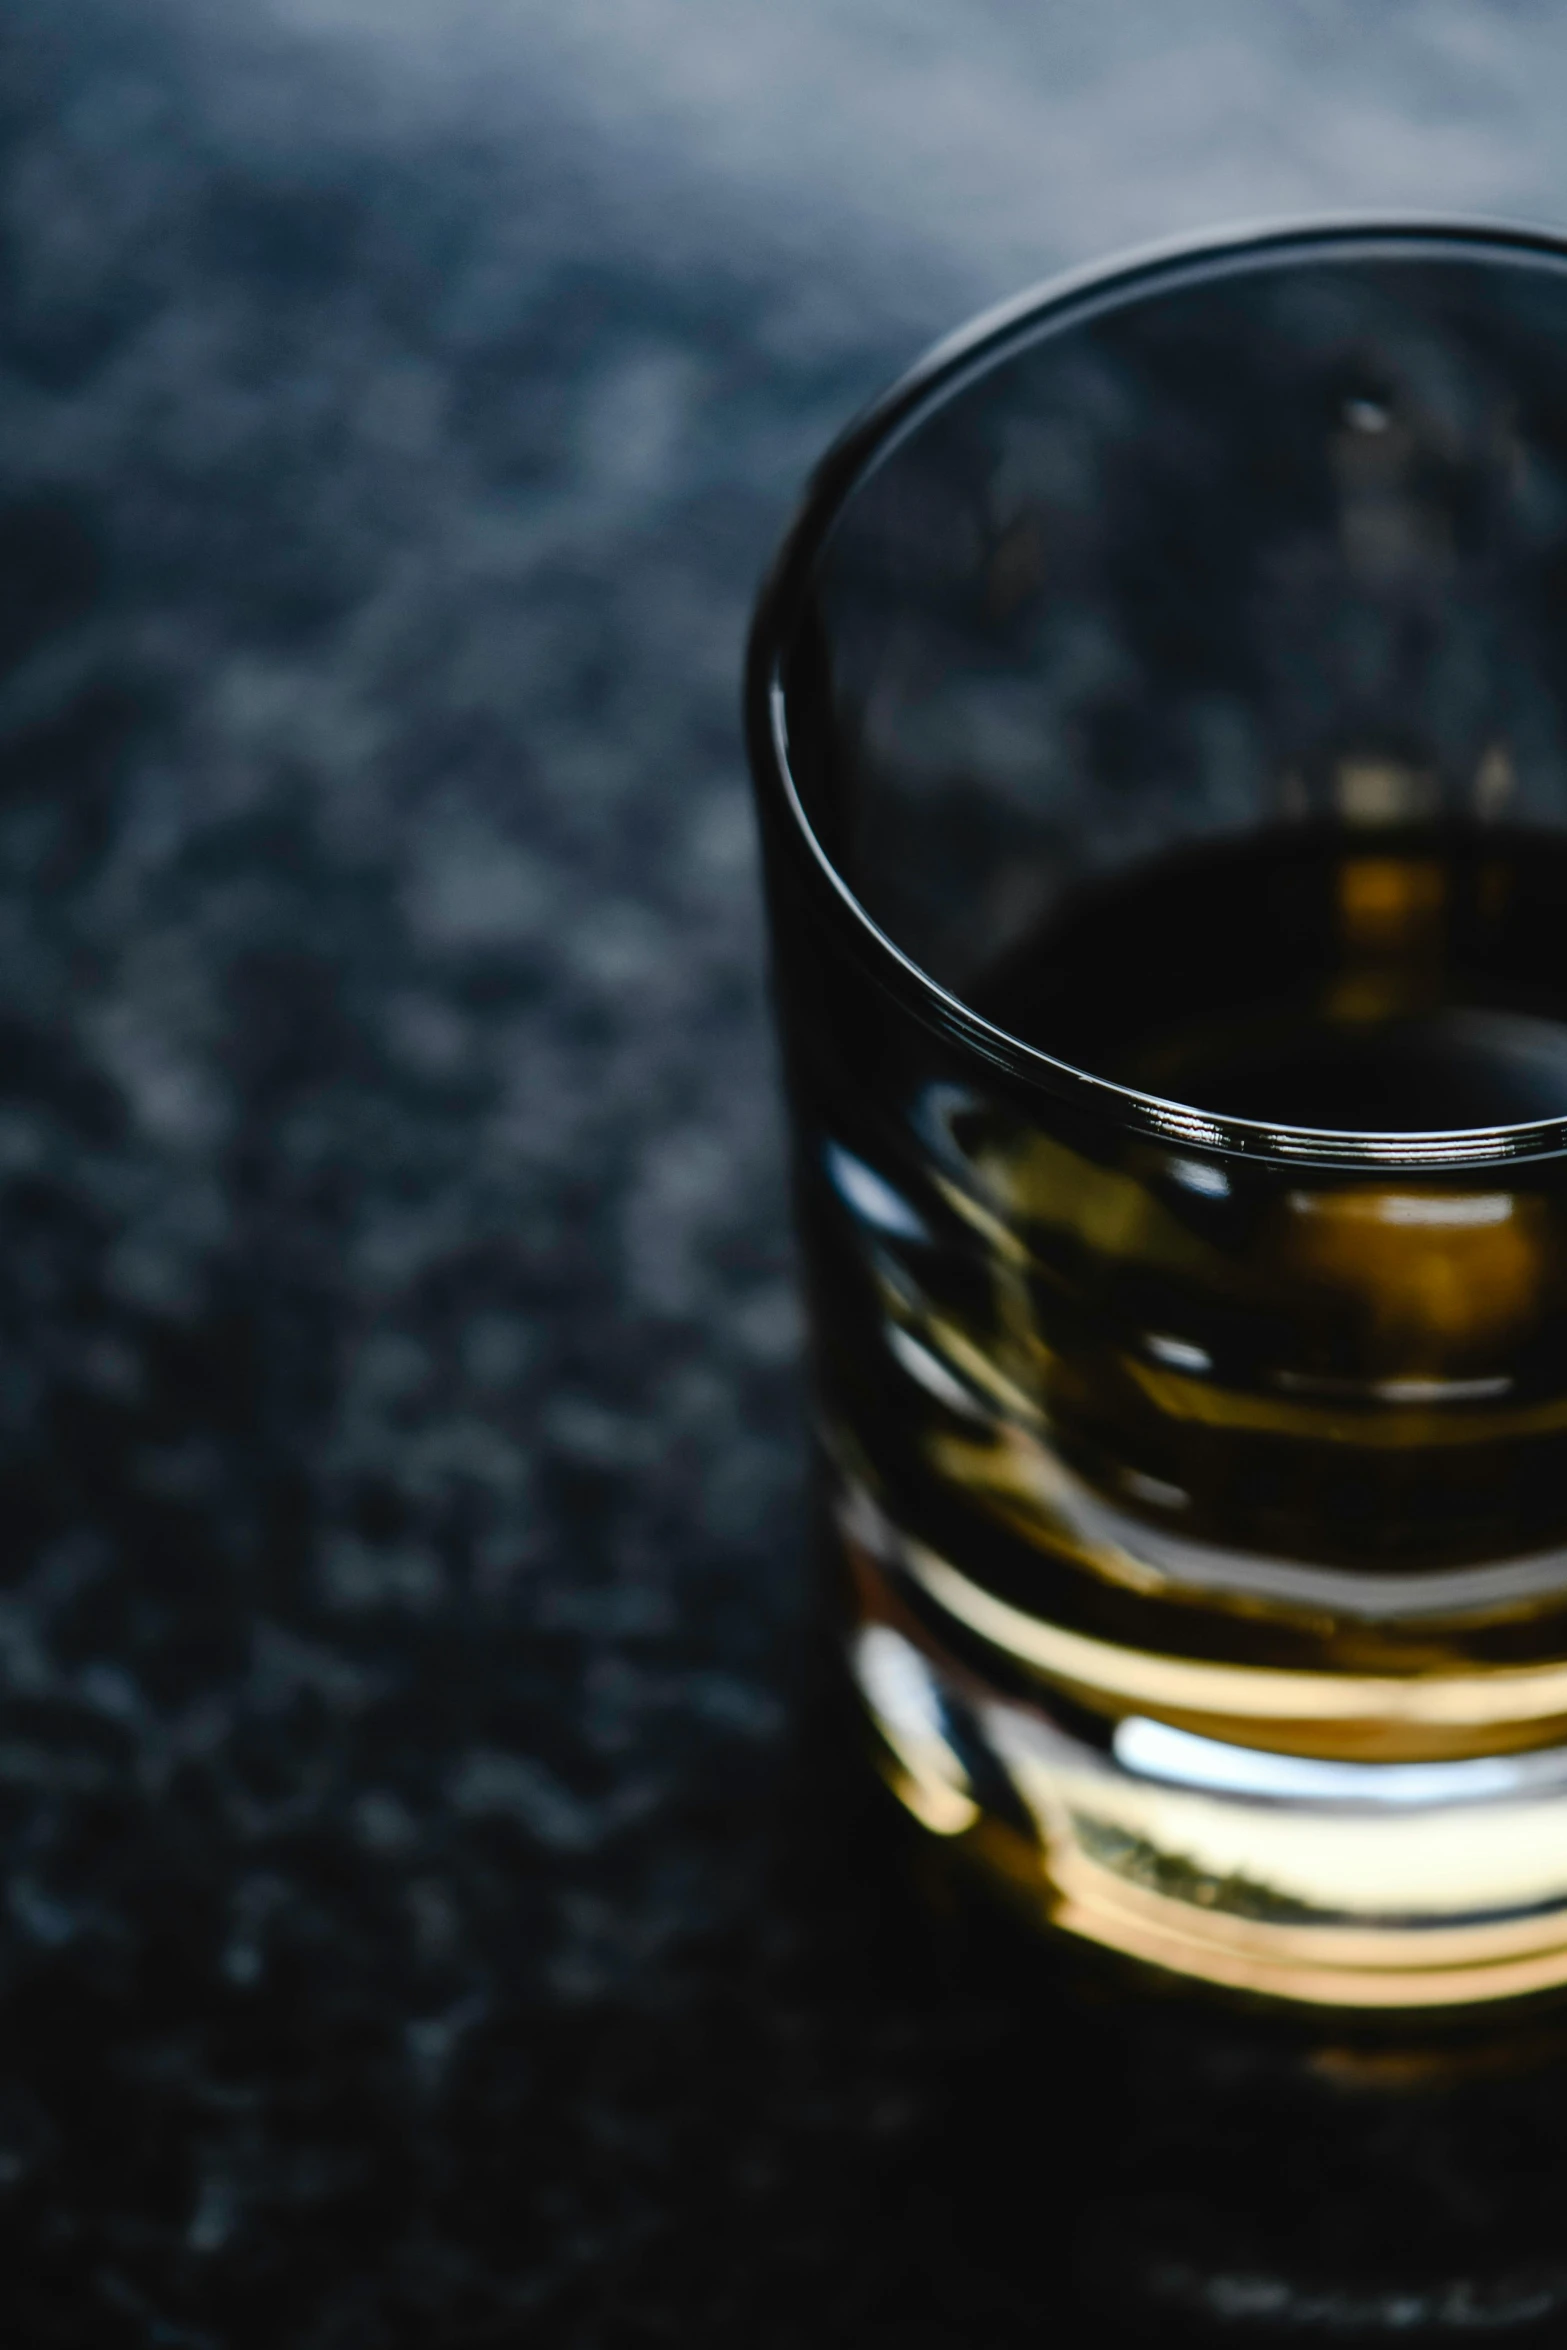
(415, 1929)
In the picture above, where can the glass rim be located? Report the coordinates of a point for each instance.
(1056, 305)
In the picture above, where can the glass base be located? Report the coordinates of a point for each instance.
(1372, 1885)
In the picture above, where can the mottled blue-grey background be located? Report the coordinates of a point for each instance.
(400, 1442)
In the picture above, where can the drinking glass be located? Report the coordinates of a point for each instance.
(1158, 729)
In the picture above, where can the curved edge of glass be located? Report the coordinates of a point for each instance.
(1058, 303)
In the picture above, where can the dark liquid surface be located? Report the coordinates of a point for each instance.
(1400, 981)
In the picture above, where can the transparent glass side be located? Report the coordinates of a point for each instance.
(1282, 547)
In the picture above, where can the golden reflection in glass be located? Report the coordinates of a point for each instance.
(1208, 1530)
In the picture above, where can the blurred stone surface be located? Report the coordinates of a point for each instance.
(400, 1435)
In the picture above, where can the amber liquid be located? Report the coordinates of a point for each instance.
(1132, 1442)
(1405, 981)
(1374, 1370)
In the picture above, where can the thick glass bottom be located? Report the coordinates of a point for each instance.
(1344, 1883)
